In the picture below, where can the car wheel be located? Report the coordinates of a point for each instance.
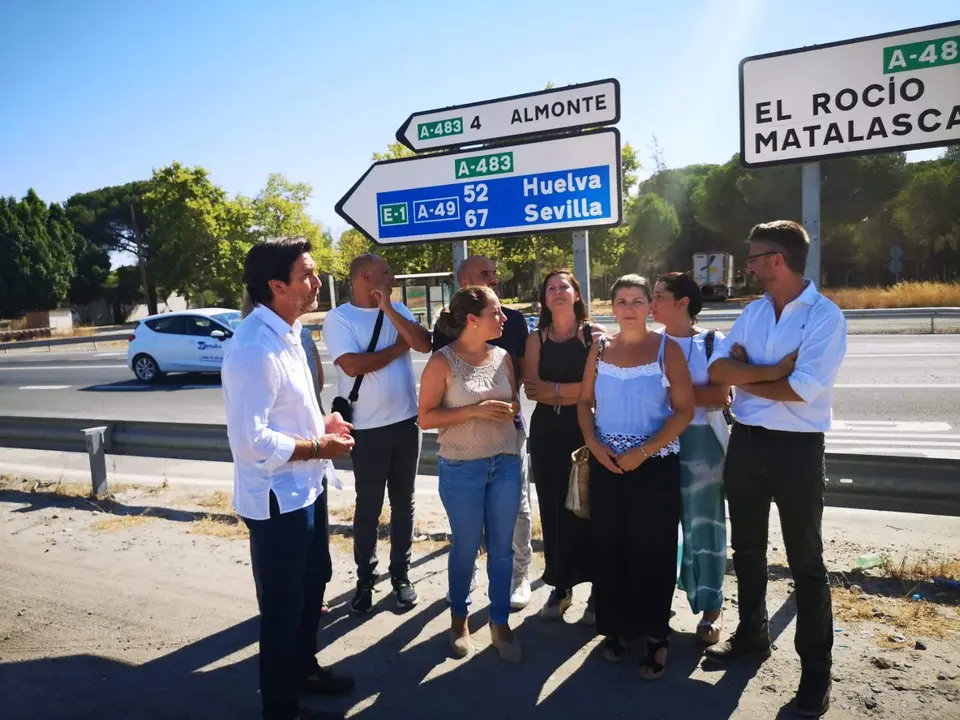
(146, 369)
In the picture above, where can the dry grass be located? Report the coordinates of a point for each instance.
(903, 295)
(229, 527)
(80, 331)
(914, 617)
(220, 501)
(115, 523)
(922, 570)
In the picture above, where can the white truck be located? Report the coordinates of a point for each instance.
(713, 272)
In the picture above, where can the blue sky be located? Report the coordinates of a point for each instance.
(100, 92)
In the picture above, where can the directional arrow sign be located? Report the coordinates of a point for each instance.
(532, 187)
(550, 111)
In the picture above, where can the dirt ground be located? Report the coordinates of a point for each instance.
(143, 607)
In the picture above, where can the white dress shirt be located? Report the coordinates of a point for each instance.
(271, 403)
(815, 325)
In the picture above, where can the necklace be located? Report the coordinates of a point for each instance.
(690, 348)
(566, 336)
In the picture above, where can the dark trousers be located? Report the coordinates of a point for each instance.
(634, 517)
(290, 555)
(384, 459)
(567, 542)
(787, 467)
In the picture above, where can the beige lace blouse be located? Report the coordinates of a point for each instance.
(470, 384)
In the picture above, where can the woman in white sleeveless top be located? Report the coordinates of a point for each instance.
(468, 391)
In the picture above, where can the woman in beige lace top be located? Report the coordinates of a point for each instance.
(468, 392)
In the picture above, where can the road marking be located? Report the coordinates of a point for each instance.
(113, 354)
(21, 368)
(898, 386)
(43, 387)
(127, 388)
(900, 355)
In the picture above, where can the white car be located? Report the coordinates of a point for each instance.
(188, 341)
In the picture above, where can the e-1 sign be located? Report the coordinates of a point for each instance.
(884, 93)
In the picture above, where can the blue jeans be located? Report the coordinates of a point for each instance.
(482, 498)
(290, 555)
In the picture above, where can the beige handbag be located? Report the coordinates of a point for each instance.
(578, 489)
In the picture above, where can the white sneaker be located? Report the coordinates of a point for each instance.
(522, 592)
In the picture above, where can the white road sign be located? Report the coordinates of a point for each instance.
(883, 93)
(591, 104)
(519, 189)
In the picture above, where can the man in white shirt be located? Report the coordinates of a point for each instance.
(387, 450)
(783, 355)
(281, 447)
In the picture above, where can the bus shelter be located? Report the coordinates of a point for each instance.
(426, 294)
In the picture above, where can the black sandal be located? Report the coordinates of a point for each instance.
(650, 661)
(613, 649)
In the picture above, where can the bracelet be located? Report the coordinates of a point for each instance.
(316, 449)
(644, 451)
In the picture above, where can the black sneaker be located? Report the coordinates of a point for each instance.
(406, 594)
(813, 695)
(327, 682)
(742, 644)
(363, 599)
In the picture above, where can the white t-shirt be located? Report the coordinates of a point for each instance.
(388, 395)
(695, 350)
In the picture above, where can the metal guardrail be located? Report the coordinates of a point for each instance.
(869, 482)
(931, 314)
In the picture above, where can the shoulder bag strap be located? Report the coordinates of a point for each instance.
(355, 392)
(587, 335)
(708, 342)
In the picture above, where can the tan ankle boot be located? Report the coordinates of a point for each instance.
(460, 638)
(510, 651)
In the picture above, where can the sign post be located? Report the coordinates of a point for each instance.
(581, 264)
(459, 255)
(810, 204)
(564, 183)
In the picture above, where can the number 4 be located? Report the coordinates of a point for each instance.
(476, 122)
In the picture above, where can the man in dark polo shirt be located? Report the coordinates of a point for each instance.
(479, 270)
(782, 354)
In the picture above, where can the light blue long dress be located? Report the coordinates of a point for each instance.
(703, 555)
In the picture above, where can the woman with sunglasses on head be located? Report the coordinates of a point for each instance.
(635, 400)
(468, 391)
(676, 304)
(556, 354)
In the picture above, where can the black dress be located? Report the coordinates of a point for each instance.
(554, 435)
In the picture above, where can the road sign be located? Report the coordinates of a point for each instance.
(882, 93)
(592, 104)
(896, 252)
(896, 267)
(519, 189)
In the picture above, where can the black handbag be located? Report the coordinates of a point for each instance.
(344, 405)
(708, 346)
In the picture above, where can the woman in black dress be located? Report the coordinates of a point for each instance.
(555, 358)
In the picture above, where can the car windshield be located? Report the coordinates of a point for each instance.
(230, 319)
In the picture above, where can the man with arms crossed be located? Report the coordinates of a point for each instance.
(783, 355)
(387, 449)
(479, 270)
(281, 446)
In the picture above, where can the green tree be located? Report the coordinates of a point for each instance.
(280, 210)
(37, 244)
(115, 220)
(653, 227)
(205, 235)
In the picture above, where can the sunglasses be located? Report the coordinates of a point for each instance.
(751, 258)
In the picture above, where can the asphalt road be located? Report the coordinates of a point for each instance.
(896, 394)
